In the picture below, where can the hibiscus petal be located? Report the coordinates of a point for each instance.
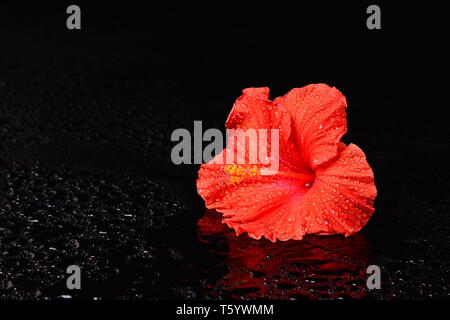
(260, 205)
(280, 207)
(254, 110)
(341, 199)
(319, 120)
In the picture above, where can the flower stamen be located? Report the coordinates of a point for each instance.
(237, 173)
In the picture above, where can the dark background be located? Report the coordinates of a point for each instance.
(85, 170)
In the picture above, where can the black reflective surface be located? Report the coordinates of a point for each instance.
(85, 170)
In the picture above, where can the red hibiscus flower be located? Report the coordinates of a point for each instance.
(321, 186)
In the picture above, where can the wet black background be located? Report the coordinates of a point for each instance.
(85, 170)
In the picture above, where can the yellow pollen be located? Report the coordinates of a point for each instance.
(237, 173)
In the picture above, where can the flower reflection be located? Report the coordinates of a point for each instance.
(332, 267)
